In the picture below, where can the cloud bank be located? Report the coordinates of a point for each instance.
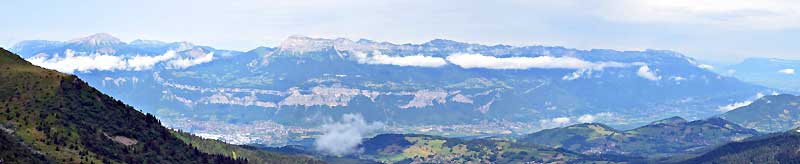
(468, 61)
(415, 60)
(71, 62)
(342, 138)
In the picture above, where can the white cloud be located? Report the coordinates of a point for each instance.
(586, 118)
(574, 75)
(735, 105)
(706, 66)
(555, 122)
(561, 120)
(645, 72)
(467, 61)
(415, 60)
(787, 71)
(139, 63)
(677, 78)
(181, 63)
(343, 138)
(71, 62)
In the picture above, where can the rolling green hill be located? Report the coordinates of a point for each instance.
(668, 137)
(47, 116)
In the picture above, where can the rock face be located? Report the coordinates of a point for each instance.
(307, 79)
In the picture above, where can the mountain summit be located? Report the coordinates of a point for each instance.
(98, 40)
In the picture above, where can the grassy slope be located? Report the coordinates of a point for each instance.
(68, 121)
(252, 155)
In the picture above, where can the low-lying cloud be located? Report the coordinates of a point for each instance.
(415, 60)
(182, 63)
(139, 63)
(71, 62)
(342, 138)
(565, 121)
(468, 61)
(645, 72)
(732, 106)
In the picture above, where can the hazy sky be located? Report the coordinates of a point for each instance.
(716, 30)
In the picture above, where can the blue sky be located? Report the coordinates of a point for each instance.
(711, 30)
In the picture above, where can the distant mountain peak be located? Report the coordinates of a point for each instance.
(99, 39)
(302, 44)
(443, 42)
(670, 121)
(147, 42)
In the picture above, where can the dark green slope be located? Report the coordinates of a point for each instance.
(775, 148)
(668, 137)
(67, 121)
(775, 113)
(13, 151)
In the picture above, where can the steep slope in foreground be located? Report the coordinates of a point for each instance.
(60, 117)
(672, 136)
(775, 148)
(776, 113)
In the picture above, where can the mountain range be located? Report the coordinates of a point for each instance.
(52, 117)
(305, 81)
(776, 73)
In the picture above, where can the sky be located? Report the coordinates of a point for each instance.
(724, 31)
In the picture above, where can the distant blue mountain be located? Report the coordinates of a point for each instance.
(771, 72)
(306, 80)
